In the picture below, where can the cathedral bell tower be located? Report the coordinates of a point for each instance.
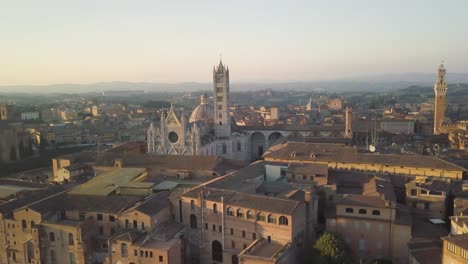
(222, 119)
(440, 90)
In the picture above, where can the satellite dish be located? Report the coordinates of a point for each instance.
(372, 148)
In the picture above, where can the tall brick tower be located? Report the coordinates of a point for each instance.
(222, 119)
(440, 90)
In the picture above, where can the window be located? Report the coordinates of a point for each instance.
(451, 247)
(52, 236)
(53, 257)
(23, 224)
(427, 206)
(249, 214)
(375, 212)
(271, 219)
(362, 211)
(254, 236)
(234, 259)
(224, 148)
(99, 217)
(220, 107)
(146, 254)
(215, 208)
(126, 223)
(240, 213)
(283, 220)
(423, 192)
(232, 231)
(349, 210)
(193, 221)
(123, 250)
(142, 225)
(239, 146)
(220, 228)
(82, 216)
(151, 254)
(101, 230)
(206, 226)
(161, 258)
(219, 98)
(192, 204)
(261, 217)
(72, 258)
(214, 227)
(414, 192)
(71, 242)
(135, 252)
(243, 233)
(219, 89)
(283, 171)
(135, 224)
(229, 211)
(111, 218)
(220, 115)
(233, 244)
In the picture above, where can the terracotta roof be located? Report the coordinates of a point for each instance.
(459, 240)
(363, 200)
(323, 152)
(88, 203)
(153, 204)
(249, 201)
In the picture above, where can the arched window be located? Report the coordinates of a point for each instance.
(234, 259)
(192, 204)
(261, 217)
(123, 250)
(217, 251)
(224, 148)
(52, 236)
(193, 221)
(240, 213)
(215, 208)
(23, 224)
(283, 220)
(249, 214)
(229, 211)
(71, 242)
(271, 219)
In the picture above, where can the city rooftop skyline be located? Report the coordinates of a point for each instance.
(51, 42)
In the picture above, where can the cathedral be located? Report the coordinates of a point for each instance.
(208, 131)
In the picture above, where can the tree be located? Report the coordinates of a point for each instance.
(331, 248)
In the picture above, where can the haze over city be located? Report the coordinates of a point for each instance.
(50, 42)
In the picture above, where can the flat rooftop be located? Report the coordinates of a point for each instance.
(9, 190)
(109, 181)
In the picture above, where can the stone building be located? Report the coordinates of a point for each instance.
(208, 130)
(371, 222)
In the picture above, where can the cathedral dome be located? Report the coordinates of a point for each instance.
(203, 112)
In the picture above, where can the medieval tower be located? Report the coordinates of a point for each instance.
(222, 117)
(440, 90)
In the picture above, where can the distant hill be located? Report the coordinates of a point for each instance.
(373, 83)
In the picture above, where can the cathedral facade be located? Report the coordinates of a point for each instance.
(208, 130)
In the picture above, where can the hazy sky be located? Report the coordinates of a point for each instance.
(84, 41)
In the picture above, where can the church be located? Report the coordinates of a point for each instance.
(208, 131)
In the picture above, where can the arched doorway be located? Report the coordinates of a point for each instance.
(273, 138)
(257, 143)
(216, 251)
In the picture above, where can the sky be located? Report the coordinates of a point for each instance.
(87, 41)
